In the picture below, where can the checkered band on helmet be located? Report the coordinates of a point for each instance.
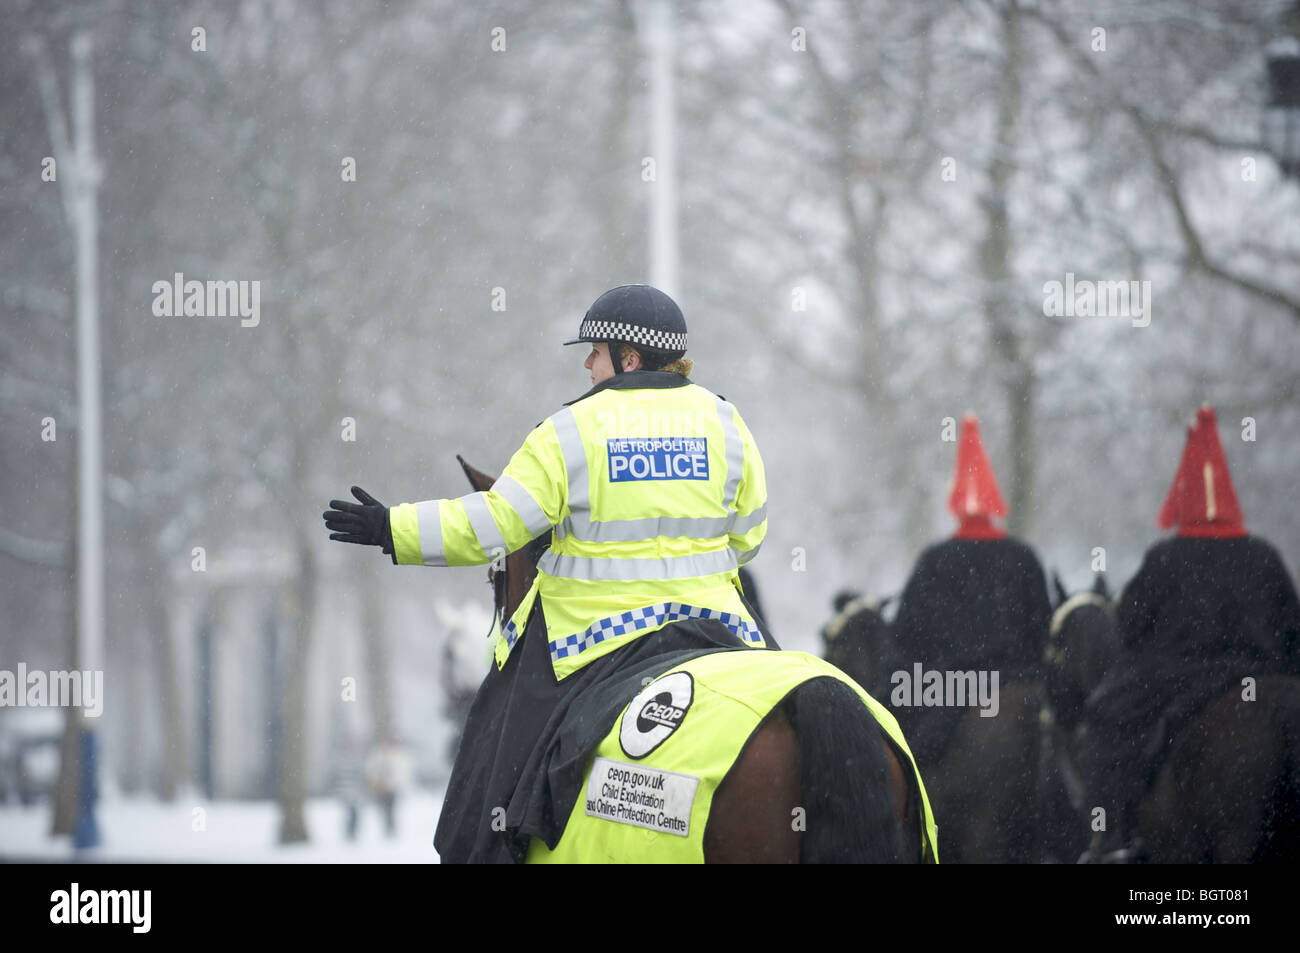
(632, 334)
(639, 315)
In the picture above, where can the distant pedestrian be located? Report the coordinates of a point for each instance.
(388, 774)
(350, 784)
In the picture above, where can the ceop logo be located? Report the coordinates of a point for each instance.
(655, 713)
(659, 711)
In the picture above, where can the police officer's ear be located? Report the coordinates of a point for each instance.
(631, 358)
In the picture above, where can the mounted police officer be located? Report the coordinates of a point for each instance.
(1207, 608)
(652, 492)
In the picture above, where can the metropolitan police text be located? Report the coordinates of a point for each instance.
(658, 458)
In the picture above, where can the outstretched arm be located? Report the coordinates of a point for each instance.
(527, 499)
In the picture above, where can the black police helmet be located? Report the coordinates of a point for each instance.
(639, 315)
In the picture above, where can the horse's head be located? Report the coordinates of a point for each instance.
(1082, 645)
(857, 639)
(510, 575)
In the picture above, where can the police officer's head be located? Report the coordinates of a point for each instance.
(640, 327)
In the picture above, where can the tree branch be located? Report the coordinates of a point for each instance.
(1197, 257)
(37, 552)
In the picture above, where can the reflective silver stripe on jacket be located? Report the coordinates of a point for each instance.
(484, 526)
(613, 569)
(430, 525)
(522, 502)
(575, 464)
(653, 527)
(743, 524)
(735, 453)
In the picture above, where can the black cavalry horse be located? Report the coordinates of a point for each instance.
(854, 639)
(820, 749)
(1226, 782)
(1082, 646)
(1229, 789)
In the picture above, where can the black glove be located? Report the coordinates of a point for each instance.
(366, 524)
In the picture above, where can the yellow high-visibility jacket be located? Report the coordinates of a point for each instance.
(655, 494)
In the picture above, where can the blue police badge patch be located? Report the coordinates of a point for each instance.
(658, 458)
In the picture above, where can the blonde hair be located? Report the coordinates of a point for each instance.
(682, 365)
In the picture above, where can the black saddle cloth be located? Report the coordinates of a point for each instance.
(522, 757)
(1142, 703)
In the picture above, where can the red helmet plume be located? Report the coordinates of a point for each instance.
(975, 497)
(1202, 500)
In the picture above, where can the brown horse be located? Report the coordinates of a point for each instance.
(866, 808)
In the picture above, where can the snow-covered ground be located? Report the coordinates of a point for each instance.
(234, 831)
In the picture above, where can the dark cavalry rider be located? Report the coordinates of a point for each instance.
(975, 602)
(652, 494)
(1207, 608)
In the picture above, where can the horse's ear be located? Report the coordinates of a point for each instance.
(477, 478)
(842, 599)
(1099, 586)
(1061, 594)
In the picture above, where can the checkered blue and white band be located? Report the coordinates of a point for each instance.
(634, 621)
(637, 619)
(632, 334)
